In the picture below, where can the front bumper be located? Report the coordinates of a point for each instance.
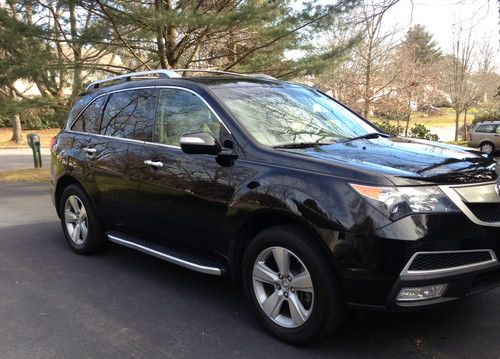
(372, 266)
(479, 274)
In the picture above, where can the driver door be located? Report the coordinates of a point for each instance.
(184, 196)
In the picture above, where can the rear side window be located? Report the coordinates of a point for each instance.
(127, 114)
(179, 112)
(486, 128)
(90, 119)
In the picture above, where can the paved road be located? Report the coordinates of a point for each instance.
(14, 159)
(124, 304)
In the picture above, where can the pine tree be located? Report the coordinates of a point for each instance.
(419, 41)
(249, 35)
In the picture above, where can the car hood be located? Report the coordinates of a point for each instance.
(406, 161)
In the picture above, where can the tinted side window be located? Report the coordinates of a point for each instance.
(90, 120)
(127, 115)
(179, 112)
(486, 128)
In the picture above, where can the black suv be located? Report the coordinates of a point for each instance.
(311, 207)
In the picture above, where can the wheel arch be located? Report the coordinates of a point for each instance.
(260, 221)
(63, 182)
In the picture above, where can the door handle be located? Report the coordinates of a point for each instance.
(155, 164)
(90, 151)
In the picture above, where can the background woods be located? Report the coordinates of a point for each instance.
(49, 49)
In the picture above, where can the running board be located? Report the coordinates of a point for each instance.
(167, 254)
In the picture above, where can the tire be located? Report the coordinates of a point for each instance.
(487, 147)
(76, 210)
(323, 309)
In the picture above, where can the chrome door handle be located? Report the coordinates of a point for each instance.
(90, 151)
(156, 164)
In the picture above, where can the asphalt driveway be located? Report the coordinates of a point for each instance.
(20, 158)
(124, 304)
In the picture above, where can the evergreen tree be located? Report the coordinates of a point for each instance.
(421, 43)
(249, 35)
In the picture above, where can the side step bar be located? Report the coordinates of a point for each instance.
(167, 254)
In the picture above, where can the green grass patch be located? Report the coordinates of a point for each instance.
(446, 119)
(36, 175)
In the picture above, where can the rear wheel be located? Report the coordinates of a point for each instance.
(487, 147)
(78, 219)
(291, 285)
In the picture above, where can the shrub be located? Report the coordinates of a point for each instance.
(464, 131)
(5, 122)
(420, 131)
(430, 110)
(388, 128)
(492, 114)
(33, 115)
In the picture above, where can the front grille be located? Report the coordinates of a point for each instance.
(486, 212)
(435, 261)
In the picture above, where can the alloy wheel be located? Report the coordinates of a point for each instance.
(283, 287)
(76, 220)
(487, 148)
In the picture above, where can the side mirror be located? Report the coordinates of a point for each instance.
(200, 143)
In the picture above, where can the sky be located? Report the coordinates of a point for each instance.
(440, 17)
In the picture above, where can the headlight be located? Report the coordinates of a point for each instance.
(398, 202)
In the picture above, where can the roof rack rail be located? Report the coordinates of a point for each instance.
(127, 77)
(221, 72)
(172, 73)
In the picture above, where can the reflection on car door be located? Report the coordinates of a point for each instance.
(185, 200)
(116, 164)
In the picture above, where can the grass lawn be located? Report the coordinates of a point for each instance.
(447, 119)
(27, 175)
(45, 137)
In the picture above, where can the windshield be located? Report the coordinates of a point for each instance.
(277, 116)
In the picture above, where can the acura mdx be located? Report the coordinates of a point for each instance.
(308, 205)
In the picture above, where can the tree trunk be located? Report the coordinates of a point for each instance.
(457, 120)
(17, 135)
(77, 52)
(465, 124)
(367, 102)
(407, 125)
(408, 117)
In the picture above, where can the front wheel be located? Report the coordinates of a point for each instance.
(290, 283)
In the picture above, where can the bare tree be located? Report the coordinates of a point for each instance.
(458, 75)
(364, 77)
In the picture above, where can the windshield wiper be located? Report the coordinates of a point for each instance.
(302, 145)
(370, 136)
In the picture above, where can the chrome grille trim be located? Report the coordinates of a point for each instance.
(473, 193)
(407, 273)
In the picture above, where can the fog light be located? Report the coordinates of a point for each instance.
(421, 293)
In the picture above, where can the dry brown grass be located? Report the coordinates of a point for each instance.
(45, 137)
(26, 175)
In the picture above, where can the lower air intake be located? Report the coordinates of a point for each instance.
(446, 260)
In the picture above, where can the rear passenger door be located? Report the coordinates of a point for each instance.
(486, 132)
(185, 200)
(116, 160)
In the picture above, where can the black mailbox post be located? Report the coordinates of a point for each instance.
(34, 143)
